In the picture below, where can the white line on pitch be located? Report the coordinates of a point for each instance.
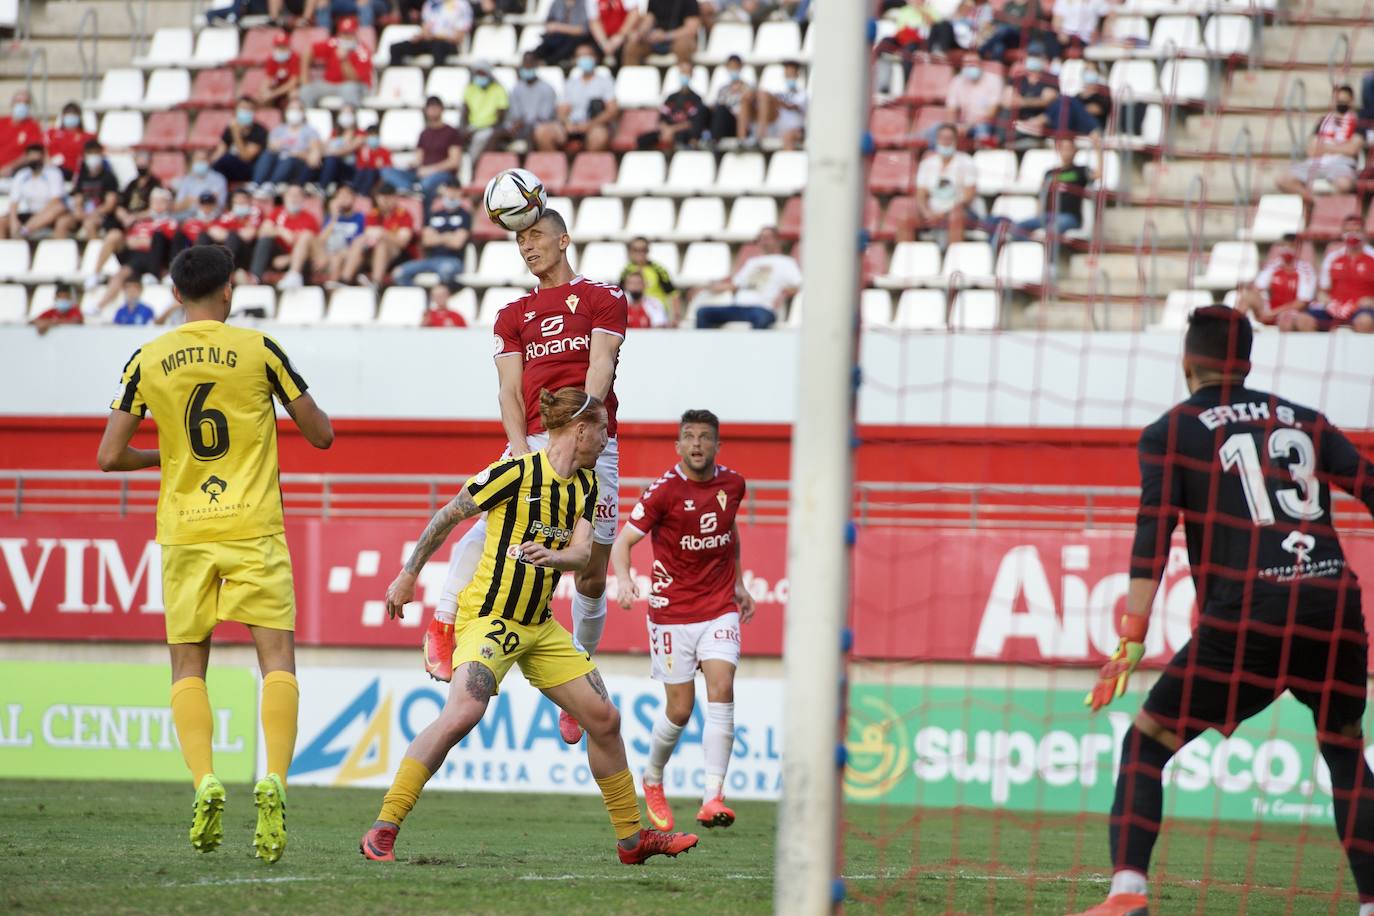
(274, 879)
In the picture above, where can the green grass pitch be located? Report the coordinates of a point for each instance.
(121, 847)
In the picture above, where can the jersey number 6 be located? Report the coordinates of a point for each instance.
(1238, 453)
(207, 429)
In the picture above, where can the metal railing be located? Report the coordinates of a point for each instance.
(88, 50)
(39, 99)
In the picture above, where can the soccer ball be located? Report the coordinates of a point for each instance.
(515, 199)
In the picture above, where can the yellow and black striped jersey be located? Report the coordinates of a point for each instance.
(210, 387)
(525, 500)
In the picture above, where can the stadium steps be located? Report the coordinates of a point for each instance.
(1268, 89)
(54, 30)
(1312, 44)
(1171, 181)
(1125, 225)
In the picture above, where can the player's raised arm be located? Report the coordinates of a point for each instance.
(627, 593)
(570, 559)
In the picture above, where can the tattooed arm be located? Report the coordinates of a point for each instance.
(402, 591)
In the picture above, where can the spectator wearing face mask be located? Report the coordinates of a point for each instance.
(732, 111)
(62, 311)
(1283, 290)
(642, 311)
(18, 131)
(1345, 283)
(1032, 91)
(437, 311)
(946, 184)
(147, 246)
(564, 29)
(443, 239)
(682, 118)
(241, 144)
(1331, 152)
(588, 110)
(236, 228)
(329, 248)
(38, 198)
(340, 151)
(285, 237)
(441, 155)
(658, 283)
(972, 98)
(532, 102)
(134, 203)
(758, 290)
(369, 161)
(66, 142)
(1085, 114)
(133, 310)
(95, 193)
(782, 115)
(485, 104)
(1019, 22)
(388, 239)
(444, 24)
(199, 179)
(196, 224)
(282, 72)
(293, 149)
(347, 68)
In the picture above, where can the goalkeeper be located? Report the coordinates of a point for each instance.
(1251, 475)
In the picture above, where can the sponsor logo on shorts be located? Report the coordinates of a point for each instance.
(729, 634)
(214, 487)
(606, 509)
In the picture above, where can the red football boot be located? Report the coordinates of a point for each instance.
(660, 812)
(652, 843)
(715, 814)
(1120, 905)
(438, 650)
(379, 844)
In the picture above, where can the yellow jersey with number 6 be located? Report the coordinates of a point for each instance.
(210, 386)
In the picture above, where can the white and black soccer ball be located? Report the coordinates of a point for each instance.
(515, 199)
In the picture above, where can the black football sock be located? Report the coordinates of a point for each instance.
(1139, 803)
(1352, 790)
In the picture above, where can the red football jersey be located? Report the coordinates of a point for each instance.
(691, 525)
(551, 329)
(1284, 284)
(1348, 276)
(279, 71)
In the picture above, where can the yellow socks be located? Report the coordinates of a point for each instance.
(618, 793)
(281, 698)
(195, 725)
(411, 777)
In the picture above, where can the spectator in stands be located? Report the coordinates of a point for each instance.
(371, 158)
(444, 24)
(236, 228)
(611, 23)
(1085, 114)
(759, 289)
(66, 143)
(199, 179)
(1019, 22)
(347, 68)
(95, 193)
(63, 310)
(1079, 22)
(243, 141)
(914, 22)
(284, 238)
(588, 111)
(133, 310)
(946, 184)
(340, 151)
(643, 311)
(532, 102)
(329, 248)
(972, 98)
(782, 115)
(443, 239)
(38, 198)
(145, 247)
(134, 203)
(682, 118)
(666, 26)
(194, 226)
(564, 29)
(388, 238)
(441, 155)
(732, 113)
(438, 314)
(1331, 152)
(1062, 193)
(282, 71)
(1028, 95)
(657, 281)
(293, 148)
(350, 12)
(1346, 283)
(1283, 290)
(18, 132)
(970, 25)
(484, 110)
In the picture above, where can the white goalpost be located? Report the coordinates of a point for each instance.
(820, 505)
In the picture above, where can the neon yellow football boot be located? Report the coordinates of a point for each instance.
(207, 820)
(269, 838)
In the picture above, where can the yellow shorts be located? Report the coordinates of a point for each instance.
(248, 581)
(546, 652)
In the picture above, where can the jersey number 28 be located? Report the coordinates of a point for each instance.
(1238, 453)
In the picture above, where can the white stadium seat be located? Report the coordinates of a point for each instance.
(748, 216)
(495, 43)
(1228, 35)
(1230, 265)
(599, 218)
(912, 264)
(401, 127)
(690, 172)
(921, 310)
(875, 308)
(1179, 305)
(637, 87)
(603, 261)
(786, 173)
(495, 299)
(55, 260)
(727, 38)
(167, 88)
(975, 310)
(1021, 264)
(215, 47)
(158, 297)
(254, 297)
(1034, 164)
(531, 36)
(14, 259)
(303, 305)
(1016, 207)
(641, 172)
(698, 218)
(14, 303)
(775, 42)
(448, 83)
(739, 173)
(90, 254)
(403, 306)
(1184, 80)
(1174, 35)
(672, 81)
(996, 170)
(121, 129)
(667, 256)
(394, 34)
(704, 262)
(1276, 216)
(720, 76)
(1138, 78)
(169, 47)
(967, 264)
(500, 264)
(352, 305)
(400, 87)
(464, 302)
(41, 300)
(119, 88)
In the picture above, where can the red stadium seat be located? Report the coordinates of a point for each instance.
(925, 119)
(746, 251)
(416, 208)
(589, 172)
(252, 81)
(212, 89)
(873, 212)
(488, 167)
(167, 166)
(208, 128)
(305, 38)
(874, 262)
(268, 117)
(552, 169)
(900, 214)
(928, 83)
(165, 130)
(1327, 213)
(790, 223)
(633, 122)
(484, 230)
(893, 172)
(256, 48)
(890, 126)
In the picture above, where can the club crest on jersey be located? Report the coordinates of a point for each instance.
(689, 505)
(529, 316)
(214, 488)
(722, 498)
(1300, 545)
(571, 302)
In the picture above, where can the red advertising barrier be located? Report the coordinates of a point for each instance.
(1048, 597)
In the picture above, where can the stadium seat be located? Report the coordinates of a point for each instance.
(590, 171)
(1071, 76)
(875, 308)
(404, 306)
(967, 264)
(500, 264)
(912, 264)
(787, 171)
(1179, 305)
(169, 47)
(698, 218)
(54, 260)
(899, 215)
(89, 255)
(704, 263)
(1228, 35)
(1327, 214)
(464, 302)
(996, 169)
(637, 87)
(215, 48)
(494, 42)
(41, 299)
(304, 305)
(207, 129)
(927, 117)
(790, 222)
(599, 218)
(393, 34)
(352, 305)
(748, 215)
(495, 299)
(261, 298)
(400, 87)
(531, 36)
(1229, 265)
(1121, 36)
(890, 126)
(14, 259)
(255, 47)
(552, 169)
(893, 172)
(1034, 164)
(1016, 207)
(1139, 78)
(603, 261)
(690, 172)
(158, 297)
(448, 83)
(772, 79)
(641, 172)
(921, 310)
(975, 310)
(488, 167)
(649, 217)
(667, 255)
(121, 129)
(165, 130)
(119, 88)
(400, 127)
(1276, 216)
(633, 123)
(928, 83)
(1176, 35)
(14, 303)
(1021, 264)
(775, 42)
(720, 76)
(212, 89)
(167, 166)
(727, 38)
(1184, 81)
(303, 38)
(701, 81)
(739, 173)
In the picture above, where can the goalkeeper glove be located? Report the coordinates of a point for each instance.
(1113, 676)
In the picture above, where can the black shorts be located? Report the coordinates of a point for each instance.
(140, 262)
(1229, 672)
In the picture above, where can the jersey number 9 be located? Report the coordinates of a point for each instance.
(207, 429)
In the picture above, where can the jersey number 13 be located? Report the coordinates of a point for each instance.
(1303, 501)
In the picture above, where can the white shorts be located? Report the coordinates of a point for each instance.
(607, 486)
(676, 649)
